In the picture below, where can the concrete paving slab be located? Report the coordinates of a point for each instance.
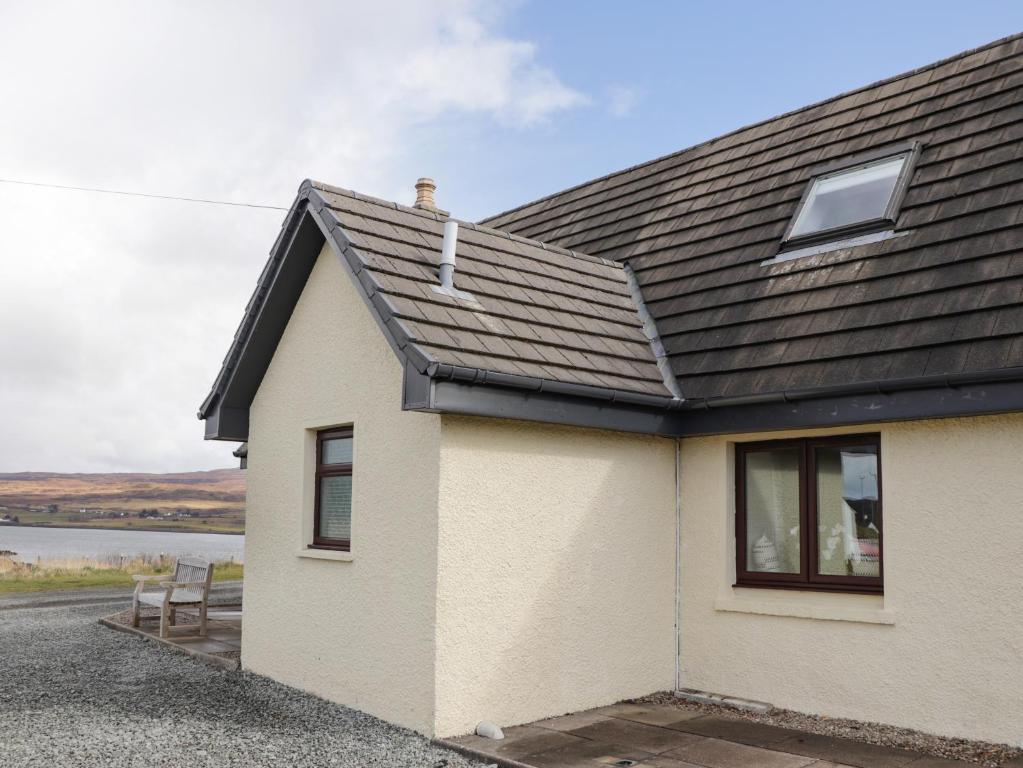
(664, 761)
(648, 738)
(571, 722)
(521, 741)
(646, 734)
(587, 754)
(227, 638)
(619, 710)
(715, 753)
(660, 715)
(846, 751)
(203, 645)
(222, 637)
(734, 729)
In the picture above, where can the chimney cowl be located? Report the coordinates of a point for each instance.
(425, 187)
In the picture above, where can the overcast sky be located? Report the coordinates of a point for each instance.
(115, 312)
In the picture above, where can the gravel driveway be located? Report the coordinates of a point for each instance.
(74, 693)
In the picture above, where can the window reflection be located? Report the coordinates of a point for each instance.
(848, 522)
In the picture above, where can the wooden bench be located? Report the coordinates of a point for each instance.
(189, 586)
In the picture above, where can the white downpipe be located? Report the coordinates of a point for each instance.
(678, 564)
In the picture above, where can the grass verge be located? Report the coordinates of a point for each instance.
(84, 572)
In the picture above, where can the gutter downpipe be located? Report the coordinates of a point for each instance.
(678, 563)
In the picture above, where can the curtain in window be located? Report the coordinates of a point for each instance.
(772, 511)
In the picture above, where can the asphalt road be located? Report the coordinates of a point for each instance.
(222, 592)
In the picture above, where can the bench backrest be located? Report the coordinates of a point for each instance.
(193, 569)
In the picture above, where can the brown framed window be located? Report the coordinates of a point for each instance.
(332, 517)
(808, 514)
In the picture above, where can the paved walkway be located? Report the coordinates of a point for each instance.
(653, 736)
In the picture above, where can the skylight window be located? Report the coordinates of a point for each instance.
(859, 196)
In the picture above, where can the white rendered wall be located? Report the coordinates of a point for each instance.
(359, 631)
(941, 651)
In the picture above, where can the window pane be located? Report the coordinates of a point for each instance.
(772, 511)
(336, 507)
(849, 197)
(848, 525)
(337, 451)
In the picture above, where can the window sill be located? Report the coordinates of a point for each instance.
(812, 588)
(861, 609)
(326, 554)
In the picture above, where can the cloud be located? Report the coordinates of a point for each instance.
(621, 100)
(468, 70)
(116, 312)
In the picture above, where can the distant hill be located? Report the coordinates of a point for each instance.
(213, 500)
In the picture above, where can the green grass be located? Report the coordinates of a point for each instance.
(185, 525)
(72, 574)
(228, 522)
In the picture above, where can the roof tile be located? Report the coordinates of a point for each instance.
(696, 225)
(539, 310)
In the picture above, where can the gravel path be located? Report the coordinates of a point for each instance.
(74, 693)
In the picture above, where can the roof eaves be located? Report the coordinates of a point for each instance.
(984, 393)
(478, 376)
(309, 200)
(284, 238)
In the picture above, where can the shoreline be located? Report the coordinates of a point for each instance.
(140, 528)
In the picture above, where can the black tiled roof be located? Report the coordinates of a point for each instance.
(944, 298)
(540, 312)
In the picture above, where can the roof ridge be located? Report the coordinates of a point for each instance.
(748, 126)
(323, 186)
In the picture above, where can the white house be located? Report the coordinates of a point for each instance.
(745, 419)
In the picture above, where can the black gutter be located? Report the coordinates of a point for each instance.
(477, 376)
(470, 391)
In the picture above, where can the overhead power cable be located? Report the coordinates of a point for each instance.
(141, 194)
